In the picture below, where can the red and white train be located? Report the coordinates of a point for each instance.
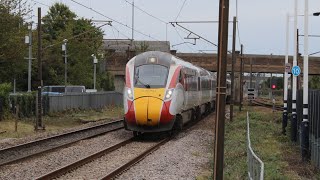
(163, 92)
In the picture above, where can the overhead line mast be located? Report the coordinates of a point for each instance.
(221, 89)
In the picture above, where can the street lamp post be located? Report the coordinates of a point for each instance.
(64, 48)
(95, 61)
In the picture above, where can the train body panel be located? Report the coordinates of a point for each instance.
(161, 88)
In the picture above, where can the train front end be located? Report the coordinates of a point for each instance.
(147, 97)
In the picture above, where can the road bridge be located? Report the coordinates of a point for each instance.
(115, 63)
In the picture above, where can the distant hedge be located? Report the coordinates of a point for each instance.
(26, 103)
(5, 89)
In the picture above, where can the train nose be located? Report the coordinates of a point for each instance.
(148, 110)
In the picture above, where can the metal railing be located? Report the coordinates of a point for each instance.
(255, 165)
(55, 103)
(314, 124)
(314, 127)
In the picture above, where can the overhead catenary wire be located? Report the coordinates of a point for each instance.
(116, 21)
(40, 3)
(73, 37)
(239, 39)
(183, 40)
(121, 32)
(195, 34)
(237, 15)
(137, 7)
(184, 2)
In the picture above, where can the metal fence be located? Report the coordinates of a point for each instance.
(314, 134)
(255, 165)
(55, 103)
(314, 123)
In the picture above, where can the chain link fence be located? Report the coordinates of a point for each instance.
(255, 165)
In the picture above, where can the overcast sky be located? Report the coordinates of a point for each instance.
(261, 22)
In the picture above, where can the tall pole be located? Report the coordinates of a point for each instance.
(294, 84)
(65, 67)
(166, 31)
(305, 121)
(232, 66)
(132, 29)
(241, 77)
(285, 86)
(94, 77)
(39, 124)
(298, 56)
(95, 61)
(64, 48)
(250, 73)
(30, 57)
(271, 91)
(221, 89)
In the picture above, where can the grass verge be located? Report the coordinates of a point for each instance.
(57, 121)
(281, 158)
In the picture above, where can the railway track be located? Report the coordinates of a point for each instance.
(264, 104)
(104, 157)
(112, 174)
(30, 149)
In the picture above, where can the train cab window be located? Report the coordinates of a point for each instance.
(150, 76)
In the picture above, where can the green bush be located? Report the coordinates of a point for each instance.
(26, 103)
(5, 89)
(106, 81)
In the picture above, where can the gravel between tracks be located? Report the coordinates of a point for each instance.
(182, 158)
(106, 164)
(32, 168)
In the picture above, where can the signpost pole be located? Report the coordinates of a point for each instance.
(294, 83)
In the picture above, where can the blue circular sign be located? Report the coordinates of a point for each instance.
(296, 70)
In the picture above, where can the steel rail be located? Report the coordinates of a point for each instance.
(21, 147)
(278, 108)
(119, 170)
(81, 162)
(135, 160)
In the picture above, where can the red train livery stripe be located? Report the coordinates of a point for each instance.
(128, 82)
(130, 116)
(166, 117)
(174, 78)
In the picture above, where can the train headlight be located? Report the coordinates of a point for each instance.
(129, 92)
(169, 94)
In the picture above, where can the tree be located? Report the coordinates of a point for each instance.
(12, 47)
(84, 39)
(314, 82)
(57, 20)
(105, 81)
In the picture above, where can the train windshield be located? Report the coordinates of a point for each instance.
(151, 76)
